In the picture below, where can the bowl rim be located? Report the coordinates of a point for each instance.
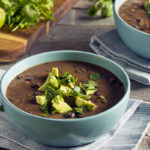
(4, 98)
(129, 26)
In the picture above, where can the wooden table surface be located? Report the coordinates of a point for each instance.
(74, 32)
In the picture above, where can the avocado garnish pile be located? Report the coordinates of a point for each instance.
(63, 95)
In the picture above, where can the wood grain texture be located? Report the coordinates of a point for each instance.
(13, 45)
(14, 51)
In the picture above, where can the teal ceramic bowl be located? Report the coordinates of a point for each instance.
(136, 40)
(65, 132)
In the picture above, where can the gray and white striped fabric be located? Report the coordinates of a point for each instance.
(111, 46)
(127, 134)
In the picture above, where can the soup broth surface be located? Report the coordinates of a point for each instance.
(134, 14)
(23, 89)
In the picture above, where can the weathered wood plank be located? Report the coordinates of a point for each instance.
(74, 33)
(83, 4)
(77, 38)
(80, 17)
(28, 37)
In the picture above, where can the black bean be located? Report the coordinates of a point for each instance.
(120, 85)
(142, 29)
(27, 78)
(113, 80)
(35, 85)
(138, 19)
(96, 93)
(142, 6)
(19, 77)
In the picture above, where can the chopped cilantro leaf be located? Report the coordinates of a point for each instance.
(95, 76)
(80, 110)
(67, 78)
(44, 114)
(50, 93)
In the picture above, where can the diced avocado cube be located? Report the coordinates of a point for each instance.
(65, 89)
(41, 100)
(59, 105)
(57, 99)
(77, 89)
(55, 72)
(81, 103)
(54, 82)
(71, 85)
(88, 92)
(51, 80)
(62, 107)
(45, 84)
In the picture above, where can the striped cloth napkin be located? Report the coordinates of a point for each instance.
(127, 134)
(111, 46)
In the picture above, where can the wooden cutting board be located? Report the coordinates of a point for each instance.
(15, 44)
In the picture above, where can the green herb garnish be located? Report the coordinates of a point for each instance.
(147, 7)
(57, 88)
(80, 110)
(95, 76)
(26, 13)
(67, 78)
(104, 6)
(50, 93)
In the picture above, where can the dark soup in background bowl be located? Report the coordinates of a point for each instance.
(132, 18)
(65, 98)
(135, 13)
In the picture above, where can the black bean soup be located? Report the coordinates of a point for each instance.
(23, 89)
(133, 12)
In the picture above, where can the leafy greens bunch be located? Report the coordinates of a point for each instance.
(25, 13)
(105, 6)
